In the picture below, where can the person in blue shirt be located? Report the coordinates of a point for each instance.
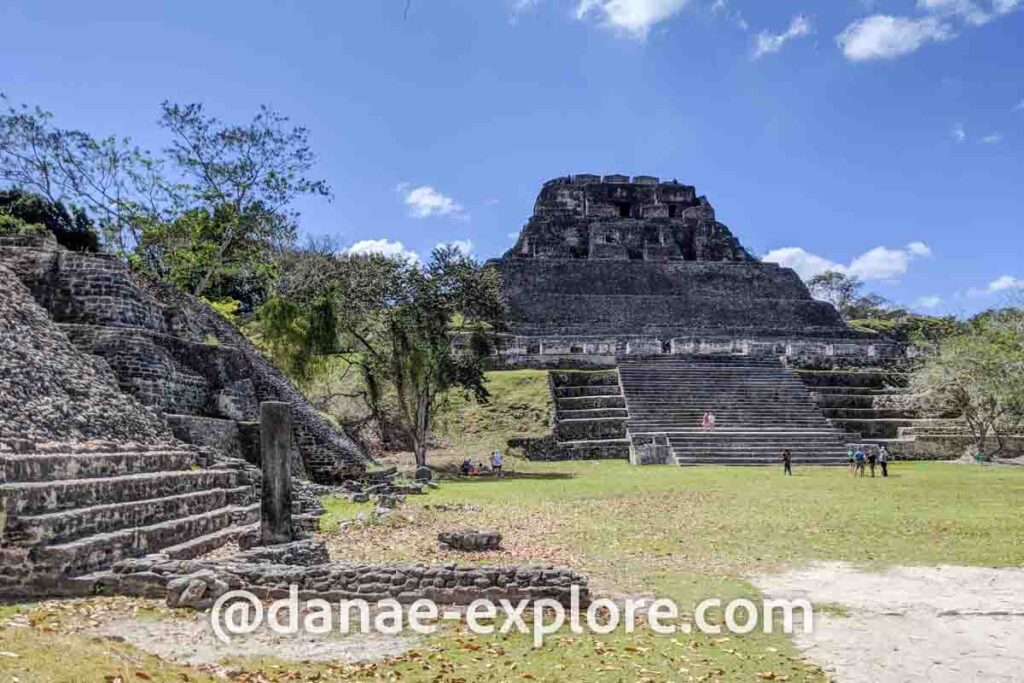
(859, 457)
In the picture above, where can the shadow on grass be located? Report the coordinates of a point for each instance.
(507, 476)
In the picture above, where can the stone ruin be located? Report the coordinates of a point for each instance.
(636, 283)
(131, 445)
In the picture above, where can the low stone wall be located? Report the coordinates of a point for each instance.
(262, 571)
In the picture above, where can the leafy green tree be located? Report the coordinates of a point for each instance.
(121, 186)
(245, 178)
(979, 373)
(414, 332)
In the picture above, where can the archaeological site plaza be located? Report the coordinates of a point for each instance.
(131, 442)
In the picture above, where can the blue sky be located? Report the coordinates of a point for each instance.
(885, 137)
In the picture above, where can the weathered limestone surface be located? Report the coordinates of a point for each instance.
(621, 256)
(168, 350)
(50, 390)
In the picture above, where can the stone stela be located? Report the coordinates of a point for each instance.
(275, 445)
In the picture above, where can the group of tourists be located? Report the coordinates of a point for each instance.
(472, 469)
(707, 421)
(857, 458)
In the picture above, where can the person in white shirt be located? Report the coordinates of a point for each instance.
(496, 462)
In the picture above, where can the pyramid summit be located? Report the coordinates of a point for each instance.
(610, 257)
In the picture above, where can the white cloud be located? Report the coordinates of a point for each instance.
(880, 263)
(1005, 282)
(1002, 284)
(959, 132)
(464, 246)
(992, 139)
(919, 249)
(424, 201)
(806, 264)
(973, 12)
(512, 235)
(634, 18)
(521, 7)
(383, 247)
(928, 302)
(769, 43)
(881, 36)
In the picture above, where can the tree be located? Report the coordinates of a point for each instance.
(843, 292)
(244, 176)
(121, 186)
(979, 373)
(414, 332)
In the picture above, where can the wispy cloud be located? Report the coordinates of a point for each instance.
(769, 43)
(879, 263)
(959, 132)
(632, 18)
(424, 201)
(1001, 285)
(992, 139)
(884, 36)
(928, 302)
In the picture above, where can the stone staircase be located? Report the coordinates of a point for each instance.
(590, 415)
(761, 409)
(79, 510)
(860, 400)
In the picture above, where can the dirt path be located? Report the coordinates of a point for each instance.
(910, 623)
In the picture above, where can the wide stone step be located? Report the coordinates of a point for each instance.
(200, 545)
(592, 413)
(576, 392)
(56, 466)
(859, 391)
(589, 402)
(51, 496)
(865, 413)
(61, 527)
(830, 461)
(98, 552)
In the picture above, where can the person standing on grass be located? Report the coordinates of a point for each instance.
(858, 457)
(883, 460)
(787, 463)
(496, 462)
(872, 457)
(852, 460)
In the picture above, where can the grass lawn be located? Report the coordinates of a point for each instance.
(684, 533)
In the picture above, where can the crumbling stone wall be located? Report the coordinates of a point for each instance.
(51, 391)
(169, 350)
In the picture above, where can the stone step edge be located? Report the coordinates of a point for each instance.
(95, 509)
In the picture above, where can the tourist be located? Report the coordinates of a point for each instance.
(704, 421)
(872, 458)
(883, 460)
(858, 457)
(496, 462)
(711, 422)
(787, 463)
(851, 460)
(467, 467)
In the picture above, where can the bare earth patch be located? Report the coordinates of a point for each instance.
(942, 623)
(191, 640)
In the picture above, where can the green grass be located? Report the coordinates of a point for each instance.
(520, 405)
(683, 533)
